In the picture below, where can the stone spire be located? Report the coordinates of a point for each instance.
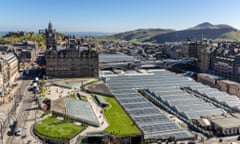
(50, 27)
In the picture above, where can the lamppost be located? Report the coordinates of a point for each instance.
(15, 105)
(35, 116)
(1, 122)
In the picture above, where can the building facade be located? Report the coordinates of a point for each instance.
(226, 64)
(9, 70)
(73, 60)
(26, 51)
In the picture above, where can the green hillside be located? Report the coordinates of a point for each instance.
(204, 30)
(15, 37)
(231, 36)
(138, 35)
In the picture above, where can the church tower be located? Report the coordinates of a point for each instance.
(50, 35)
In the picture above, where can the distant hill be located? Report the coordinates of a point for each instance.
(139, 34)
(207, 25)
(87, 33)
(231, 36)
(204, 30)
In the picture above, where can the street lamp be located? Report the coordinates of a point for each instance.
(1, 129)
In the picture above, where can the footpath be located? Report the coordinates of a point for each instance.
(8, 101)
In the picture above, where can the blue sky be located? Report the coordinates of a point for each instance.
(115, 15)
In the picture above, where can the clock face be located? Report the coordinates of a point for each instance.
(50, 34)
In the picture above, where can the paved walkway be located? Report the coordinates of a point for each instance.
(55, 92)
(5, 108)
(9, 99)
(101, 119)
(33, 116)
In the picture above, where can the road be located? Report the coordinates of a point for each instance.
(25, 99)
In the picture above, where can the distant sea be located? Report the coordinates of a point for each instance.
(2, 33)
(76, 33)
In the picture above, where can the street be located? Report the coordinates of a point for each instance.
(24, 98)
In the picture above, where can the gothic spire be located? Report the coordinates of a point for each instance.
(50, 25)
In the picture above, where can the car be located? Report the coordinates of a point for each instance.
(18, 132)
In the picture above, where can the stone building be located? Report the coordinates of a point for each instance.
(26, 51)
(225, 125)
(225, 62)
(4, 76)
(190, 49)
(8, 69)
(73, 60)
(202, 51)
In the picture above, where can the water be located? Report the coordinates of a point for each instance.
(3, 33)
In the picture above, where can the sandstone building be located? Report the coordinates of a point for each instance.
(73, 60)
(8, 71)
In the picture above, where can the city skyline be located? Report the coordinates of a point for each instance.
(115, 16)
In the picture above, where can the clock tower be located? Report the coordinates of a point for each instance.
(50, 35)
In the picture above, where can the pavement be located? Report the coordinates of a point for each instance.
(24, 113)
(5, 108)
(101, 119)
(34, 116)
(9, 99)
(55, 92)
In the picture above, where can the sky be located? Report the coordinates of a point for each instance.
(115, 15)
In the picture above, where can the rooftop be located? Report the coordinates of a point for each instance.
(110, 58)
(149, 118)
(81, 110)
(167, 88)
(225, 121)
(76, 109)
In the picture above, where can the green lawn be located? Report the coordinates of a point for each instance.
(58, 129)
(73, 96)
(43, 91)
(119, 122)
(84, 98)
